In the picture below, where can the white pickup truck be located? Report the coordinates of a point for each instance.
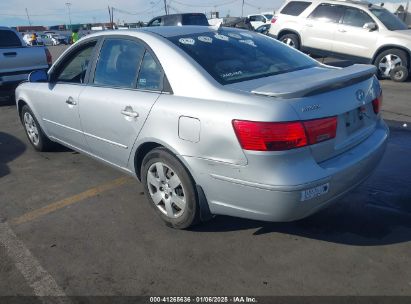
(17, 60)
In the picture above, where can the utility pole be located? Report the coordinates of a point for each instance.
(406, 11)
(68, 4)
(165, 7)
(242, 9)
(28, 17)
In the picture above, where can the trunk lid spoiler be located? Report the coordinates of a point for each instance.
(331, 79)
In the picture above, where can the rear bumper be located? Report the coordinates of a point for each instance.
(233, 196)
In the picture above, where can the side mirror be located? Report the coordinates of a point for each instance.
(38, 76)
(371, 26)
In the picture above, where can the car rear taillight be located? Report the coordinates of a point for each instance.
(273, 20)
(280, 136)
(49, 57)
(319, 130)
(377, 104)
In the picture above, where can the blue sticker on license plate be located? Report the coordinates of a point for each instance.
(314, 192)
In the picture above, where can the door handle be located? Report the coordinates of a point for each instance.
(71, 101)
(129, 112)
(309, 24)
(342, 30)
(10, 54)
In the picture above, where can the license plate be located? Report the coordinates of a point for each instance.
(354, 120)
(314, 192)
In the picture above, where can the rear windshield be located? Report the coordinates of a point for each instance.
(9, 39)
(195, 19)
(295, 8)
(269, 16)
(231, 56)
(392, 22)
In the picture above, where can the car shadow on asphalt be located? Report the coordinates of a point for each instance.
(10, 148)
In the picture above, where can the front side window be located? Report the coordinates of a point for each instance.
(151, 76)
(355, 17)
(327, 13)
(295, 8)
(231, 56)
(74, 70)
(391, 22)
(118, 63)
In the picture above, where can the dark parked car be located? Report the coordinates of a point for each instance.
(263, 29)
(179, 19)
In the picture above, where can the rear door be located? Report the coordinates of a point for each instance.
(351, 37)
(127, 81)
(320, 26)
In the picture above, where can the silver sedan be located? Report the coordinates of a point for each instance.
(212, 121)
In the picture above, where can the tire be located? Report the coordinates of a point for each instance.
(388, 60)
(34, 133)
(171, 193)
(291, 40)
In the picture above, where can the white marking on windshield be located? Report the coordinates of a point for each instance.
(221, 37)
(205, 39)
(231, 74)
(236, 36)
(189, 41)
(248, 41)
(246, 35)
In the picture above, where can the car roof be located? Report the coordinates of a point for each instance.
(344, 2)
(171, 31)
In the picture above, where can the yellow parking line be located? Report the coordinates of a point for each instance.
(69, 201)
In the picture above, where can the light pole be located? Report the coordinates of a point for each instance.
(68, 4)
(28, 17)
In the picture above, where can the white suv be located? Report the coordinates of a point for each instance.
(353, 30)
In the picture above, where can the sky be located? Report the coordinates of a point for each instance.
(54, 12)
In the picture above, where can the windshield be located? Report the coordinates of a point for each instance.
(231, 56)
(269, 16)
(391, 22)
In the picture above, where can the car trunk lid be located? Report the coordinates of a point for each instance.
(346, 94)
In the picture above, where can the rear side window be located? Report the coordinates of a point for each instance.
(9, 39)
(118, 63)
(355, 17)
(231, 56)
(295, 8)
(151, 76)
(195, 19)
(327, 13)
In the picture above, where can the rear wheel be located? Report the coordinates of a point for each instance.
(34, 133)
(170, 189)
(291, 40)
(388, 60)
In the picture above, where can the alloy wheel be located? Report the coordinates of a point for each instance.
(31, 128)
(388, 63)
(166, 190)
(289, 42)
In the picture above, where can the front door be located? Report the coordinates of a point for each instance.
(60, 101)
(351, 38)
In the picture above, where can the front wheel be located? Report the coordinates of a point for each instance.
(389, 60)
(34, 133)
(170, 189)
(291, 40)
